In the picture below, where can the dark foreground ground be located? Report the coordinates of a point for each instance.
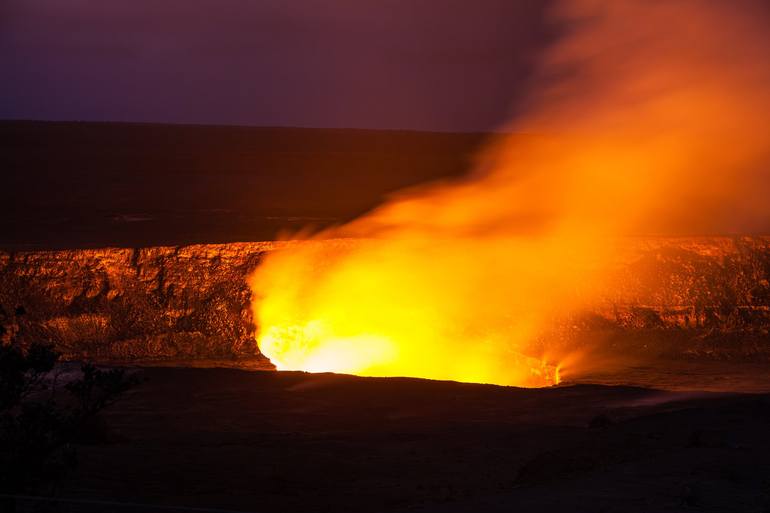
(293, 442)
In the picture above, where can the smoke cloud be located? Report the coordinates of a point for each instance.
(645, 117)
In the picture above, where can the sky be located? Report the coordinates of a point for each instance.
(450, 65)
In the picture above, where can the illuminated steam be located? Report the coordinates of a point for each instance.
(648, 117)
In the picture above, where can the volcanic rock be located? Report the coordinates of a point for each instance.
(687, 297)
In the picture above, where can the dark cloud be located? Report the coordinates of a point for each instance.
(431, 64)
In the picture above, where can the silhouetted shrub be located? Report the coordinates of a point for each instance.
(39, 420)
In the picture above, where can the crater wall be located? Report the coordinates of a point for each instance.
(695, 297)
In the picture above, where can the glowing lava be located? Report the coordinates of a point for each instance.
(376, 309)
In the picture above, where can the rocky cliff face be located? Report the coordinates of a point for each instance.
(686, 297)
(131, 304)
(704, 297)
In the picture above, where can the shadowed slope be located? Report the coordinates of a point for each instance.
(288, 442)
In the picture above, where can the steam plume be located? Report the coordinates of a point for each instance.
(648, 117)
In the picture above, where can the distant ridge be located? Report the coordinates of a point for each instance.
(90, 184)
(237, 126)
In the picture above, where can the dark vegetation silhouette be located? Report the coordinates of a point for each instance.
(43, 415)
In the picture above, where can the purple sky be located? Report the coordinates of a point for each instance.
(419, 64)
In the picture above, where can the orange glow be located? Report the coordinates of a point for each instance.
(653, 126)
